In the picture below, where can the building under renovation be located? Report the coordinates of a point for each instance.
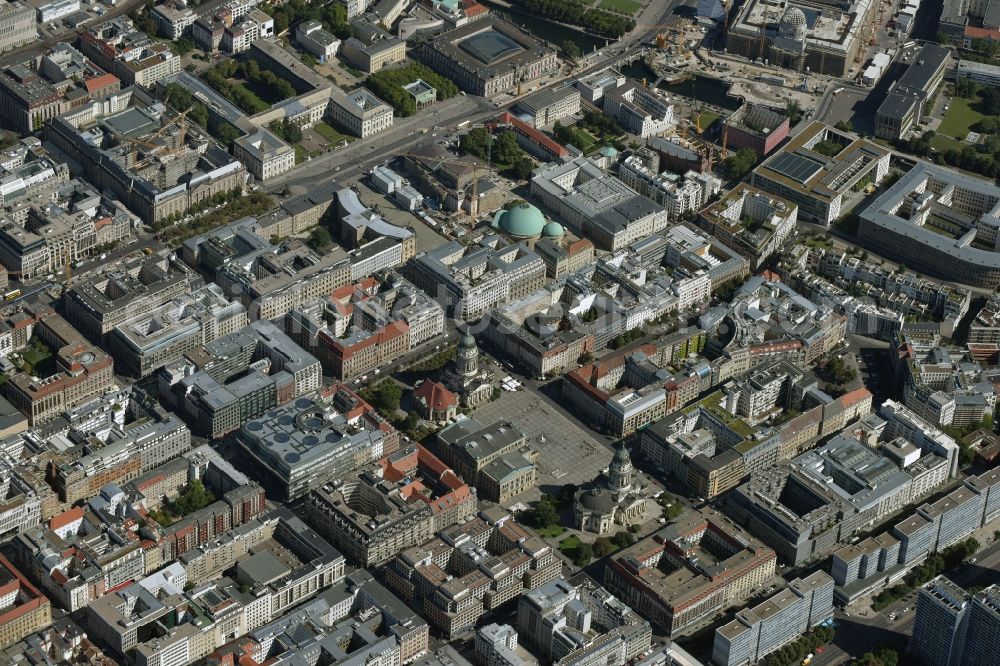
(822, 36)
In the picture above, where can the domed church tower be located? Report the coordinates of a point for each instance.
(467, 357)
(620, 473)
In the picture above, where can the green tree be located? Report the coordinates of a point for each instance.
(384, 396)
(794, 111)
(194, 496)
(184, 45)
(603, 546)
(740, 163)
(476, 142)
(319, 237)
(583, 555)
(623, 539)
(544, 513)
(570, 49)
(522, 168)
(505, 148)
(844, 126)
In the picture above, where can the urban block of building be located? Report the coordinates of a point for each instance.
(801, 37)
(757, 632)
(806, 509)
(580, 624)
(221, 385)
(173, 167)
(751, 222)
(697, 566)
(488, 56)
(596, 205)
(391, 505)
(865, 568)
(823, 171)
(471, 569)
(942, 222)
(470, 280)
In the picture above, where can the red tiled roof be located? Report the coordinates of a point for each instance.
(65, 518)
(506, 118)
(855, 396)
(972, 32)
(435, 395)
(99, 82)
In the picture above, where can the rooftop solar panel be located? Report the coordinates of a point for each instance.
(796, 167)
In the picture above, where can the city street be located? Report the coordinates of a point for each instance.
(363, 154)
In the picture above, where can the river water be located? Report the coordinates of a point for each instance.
(704, 89)
(553, 33)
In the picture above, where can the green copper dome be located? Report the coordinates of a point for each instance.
(521, 221)
(608, 151)
(552, 230)
(467, 341)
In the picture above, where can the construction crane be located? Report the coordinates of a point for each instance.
(763, 33)
(149, 142)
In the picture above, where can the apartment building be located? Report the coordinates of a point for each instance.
(25, 610)
(368, 518)
(641, 111)
(757, 632)
(470, 569)
(659, 579)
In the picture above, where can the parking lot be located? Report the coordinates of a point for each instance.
(567, 452)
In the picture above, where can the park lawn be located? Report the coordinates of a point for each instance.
(301, 153)
(584, 140)
(569, 545)
(34, 356)
(941, 143)
(551, 532)
(707, 118)
(258, 101)
(959, 119)
(331, 134)
(624, 6)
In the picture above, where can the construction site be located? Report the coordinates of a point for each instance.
(156, 162)
(805, 36)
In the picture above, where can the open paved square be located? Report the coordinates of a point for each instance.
(566, 452)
